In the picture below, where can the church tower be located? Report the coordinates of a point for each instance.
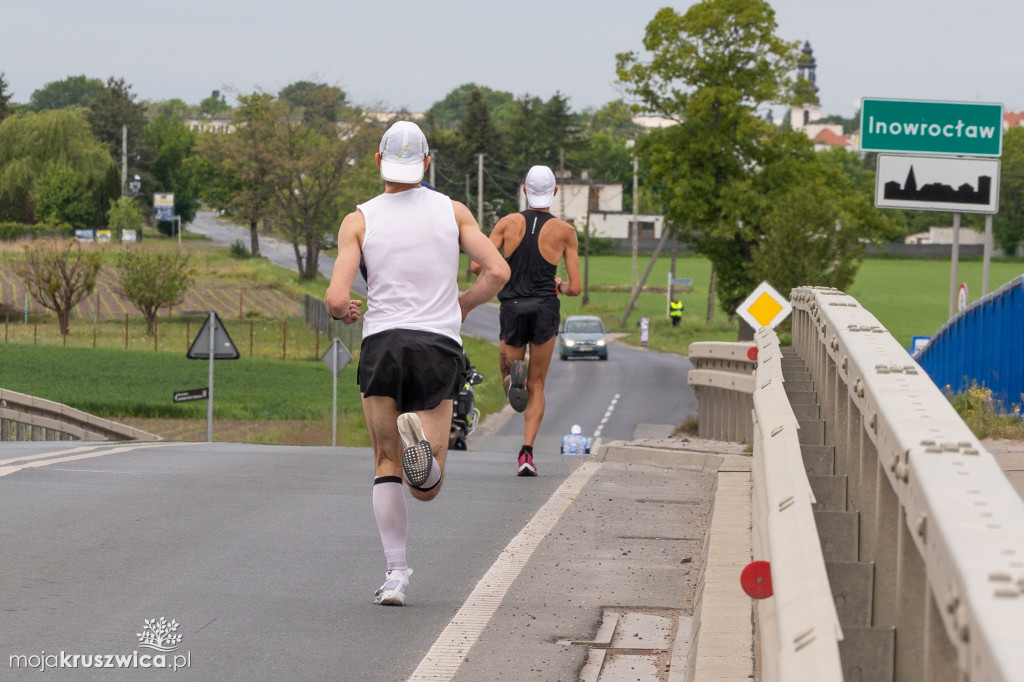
(806, 109)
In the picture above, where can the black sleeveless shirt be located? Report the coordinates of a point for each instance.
(532, 276)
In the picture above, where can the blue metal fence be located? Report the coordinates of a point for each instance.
(983, 345)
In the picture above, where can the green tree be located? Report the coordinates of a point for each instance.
(542, 133)
(316, 103)
(448, 113)
(71, 92)
(308, 169)
(59, 275)
(5, 98)
(154, 279)
(1008, 224)
(237, 166)
(125, 214)
(174, 168)
(214, 105)
(62, 195)
(108, 111)
(714, 70)
(173, 108)
(31, 144)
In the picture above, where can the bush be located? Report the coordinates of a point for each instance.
(983, 415)
(10, 232)
(239, 251)
(599, 246)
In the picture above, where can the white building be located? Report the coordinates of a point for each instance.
(944, 235)
(607, 219)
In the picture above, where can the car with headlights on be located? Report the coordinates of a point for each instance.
(582, 336)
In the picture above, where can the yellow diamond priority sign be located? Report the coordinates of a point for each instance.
(765, 307)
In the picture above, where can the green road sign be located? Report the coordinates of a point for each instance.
(957, 128)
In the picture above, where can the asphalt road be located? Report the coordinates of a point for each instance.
(266, 557)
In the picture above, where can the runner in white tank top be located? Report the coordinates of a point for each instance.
(411, 267)
(411, 355)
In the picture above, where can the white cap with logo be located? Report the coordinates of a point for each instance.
(402, 150)
(540, 187)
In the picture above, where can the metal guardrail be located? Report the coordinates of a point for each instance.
(24, 417)
(799, 625)
(937, 516)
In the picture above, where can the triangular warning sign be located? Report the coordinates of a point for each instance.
(223, 348)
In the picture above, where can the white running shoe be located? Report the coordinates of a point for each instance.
(418, 457)
(392, 592)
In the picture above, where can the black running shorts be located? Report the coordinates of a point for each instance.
(528, 320)
(418, 369)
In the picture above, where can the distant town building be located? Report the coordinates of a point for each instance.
(210, 124)
(944, 235)
(578, 198)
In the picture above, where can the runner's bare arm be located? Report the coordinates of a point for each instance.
(338, 302)
(497, 238)
(571, 254)
(492, 272)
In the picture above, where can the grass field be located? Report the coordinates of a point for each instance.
(281, 384)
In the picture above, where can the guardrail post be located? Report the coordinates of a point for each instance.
(911, 592)
(867, 494)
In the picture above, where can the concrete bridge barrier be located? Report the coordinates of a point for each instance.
(25, 417)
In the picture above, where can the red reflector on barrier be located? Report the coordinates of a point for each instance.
(752, 354)
(756, 579)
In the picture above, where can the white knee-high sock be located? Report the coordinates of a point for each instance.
(433, 477)
(392, 520)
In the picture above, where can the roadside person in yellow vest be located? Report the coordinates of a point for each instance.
(675, 311)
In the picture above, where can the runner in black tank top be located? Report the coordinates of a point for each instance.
(530, 308)
(532, 276)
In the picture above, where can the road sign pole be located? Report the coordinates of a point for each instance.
(987, 258)
(209, 401)
(334, 403)
(954, 266)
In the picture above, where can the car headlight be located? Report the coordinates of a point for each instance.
(600, 342)
(569, 343)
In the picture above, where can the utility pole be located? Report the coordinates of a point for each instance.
(433, 183)
(561, 167)
(124, 159)
(480, 191)
(636, 214)
(586, 244)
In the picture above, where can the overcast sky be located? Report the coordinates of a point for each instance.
(410, 54)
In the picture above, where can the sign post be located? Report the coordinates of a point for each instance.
(211, 342)
(336, 358)
(960, 184)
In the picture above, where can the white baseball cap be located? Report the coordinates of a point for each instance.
(576, 430)
(540, 187)
(402, 150)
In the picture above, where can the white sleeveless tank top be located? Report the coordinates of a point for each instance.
(411, 249)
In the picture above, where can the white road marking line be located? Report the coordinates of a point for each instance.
(83, 448)
(455, 641)
(607, 415)
(5, 470)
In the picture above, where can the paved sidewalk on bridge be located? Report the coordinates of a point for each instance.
(639, 580)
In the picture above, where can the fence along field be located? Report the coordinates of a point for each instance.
(257, 318)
